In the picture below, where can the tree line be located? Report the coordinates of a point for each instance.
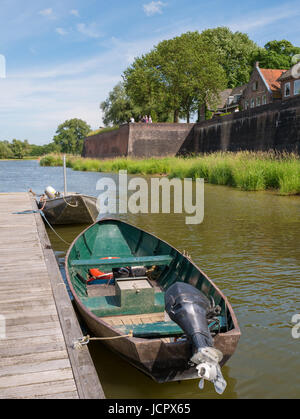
(178, 78)
(181, 75)
(69, 138)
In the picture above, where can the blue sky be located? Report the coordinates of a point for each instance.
(63, 57)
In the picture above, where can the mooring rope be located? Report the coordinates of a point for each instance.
(70, 205)
(40, 211)
(43, 215)
(85, 340)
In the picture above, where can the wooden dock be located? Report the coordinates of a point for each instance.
(37, 358)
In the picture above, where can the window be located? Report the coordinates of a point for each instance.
(297, 87)
(252, 103)
(255, 86)
(287, 89)
(258, 101)
(230, 100)
(237, 98)
(264, 100)
(246, 105)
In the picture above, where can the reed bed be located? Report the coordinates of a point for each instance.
(248, 171)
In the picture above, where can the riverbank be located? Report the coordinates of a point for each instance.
(249, 171)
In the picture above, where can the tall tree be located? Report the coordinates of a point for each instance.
(276, 54)
(235, 52)
(70, 136)
(5, 150)
(118, 108)
(178, 74)
(20, 149)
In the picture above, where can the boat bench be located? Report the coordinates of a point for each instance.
(162, 329)
(152, 330)
(125, 261)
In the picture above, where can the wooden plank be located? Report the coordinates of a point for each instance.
(55, 364)
(39, 358)
(125, 261)
(36, 359)
(35, 378)
(86, 378)
(134, 319)
(37, 390)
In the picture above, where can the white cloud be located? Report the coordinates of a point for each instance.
(61, 31)
(74, 12)
(153, 8)
(91, 30)
(35, 100)
(263, 18)
(46, 12)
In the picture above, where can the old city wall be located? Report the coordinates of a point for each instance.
(275, 126)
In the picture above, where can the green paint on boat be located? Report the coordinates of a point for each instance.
(127, 246)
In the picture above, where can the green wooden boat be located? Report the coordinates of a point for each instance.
(116, 305)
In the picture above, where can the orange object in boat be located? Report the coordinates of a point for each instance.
(96, 274)
(111, 257)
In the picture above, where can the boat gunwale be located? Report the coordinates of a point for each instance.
(235, 331)
(78, 195)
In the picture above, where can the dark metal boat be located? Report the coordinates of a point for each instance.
(70, 209)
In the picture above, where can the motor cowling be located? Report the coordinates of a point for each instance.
(188, 307)
(50, 192)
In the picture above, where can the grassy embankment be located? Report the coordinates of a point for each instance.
(249, 171)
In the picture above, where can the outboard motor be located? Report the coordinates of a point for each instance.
(50, 192)
(189, 308)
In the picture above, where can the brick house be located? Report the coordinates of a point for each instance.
(290, 86)
(230, 100)
(263, 87)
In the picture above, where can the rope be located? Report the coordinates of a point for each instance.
(70, 205)
(27, 212)
(85, 340)
(43, 215)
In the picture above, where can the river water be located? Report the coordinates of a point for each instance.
(248, 244)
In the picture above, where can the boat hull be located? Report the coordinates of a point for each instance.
(72, 209)
(160, 358)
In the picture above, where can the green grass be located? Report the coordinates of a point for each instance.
(248, 171)
(107, 129)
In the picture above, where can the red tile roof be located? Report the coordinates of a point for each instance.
(271, 76)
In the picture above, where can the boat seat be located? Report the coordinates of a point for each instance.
(125, 261)
(148, 330)
(162, 329)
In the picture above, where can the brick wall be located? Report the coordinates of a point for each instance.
(138, 140)
(108, 144)
(261, 92)
(154, 140)
(274, 126)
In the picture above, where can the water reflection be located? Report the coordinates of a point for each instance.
(248, 245)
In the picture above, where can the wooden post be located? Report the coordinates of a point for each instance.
(65, 176)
